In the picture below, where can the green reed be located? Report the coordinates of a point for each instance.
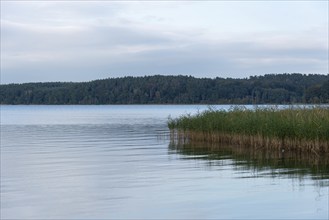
(292, 123)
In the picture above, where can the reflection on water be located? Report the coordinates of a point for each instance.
(113, 162)
(258, 162)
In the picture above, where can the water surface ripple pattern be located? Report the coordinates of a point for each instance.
(116, 162)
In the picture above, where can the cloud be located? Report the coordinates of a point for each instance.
(77, 42)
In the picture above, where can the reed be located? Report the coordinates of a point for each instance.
(302, 129)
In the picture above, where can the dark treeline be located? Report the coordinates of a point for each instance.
(272, 88)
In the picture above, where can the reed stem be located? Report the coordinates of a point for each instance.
(302, 129)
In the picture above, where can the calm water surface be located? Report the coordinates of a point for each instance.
(117, 162)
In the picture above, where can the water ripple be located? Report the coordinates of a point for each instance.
(110, 162)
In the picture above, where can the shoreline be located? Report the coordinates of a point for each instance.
(317, 147)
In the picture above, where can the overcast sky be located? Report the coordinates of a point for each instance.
(86, 40)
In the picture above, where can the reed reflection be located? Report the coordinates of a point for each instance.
(261, 162)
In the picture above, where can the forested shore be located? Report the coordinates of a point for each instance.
(158, 89)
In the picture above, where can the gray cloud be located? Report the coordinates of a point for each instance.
(63, 48)
(239, 59)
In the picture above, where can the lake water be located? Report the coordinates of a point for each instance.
(94, 162)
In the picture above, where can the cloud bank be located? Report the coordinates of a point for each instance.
(79, 41)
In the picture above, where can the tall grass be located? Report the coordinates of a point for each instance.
(302, 128)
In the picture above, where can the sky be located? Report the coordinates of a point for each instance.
(44, 41)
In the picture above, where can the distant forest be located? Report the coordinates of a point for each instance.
(267, 89)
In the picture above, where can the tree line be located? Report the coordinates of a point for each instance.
(158, 89)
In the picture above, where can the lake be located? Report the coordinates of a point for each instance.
(117, 162)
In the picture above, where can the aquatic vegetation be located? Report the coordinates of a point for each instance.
(303, 129)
